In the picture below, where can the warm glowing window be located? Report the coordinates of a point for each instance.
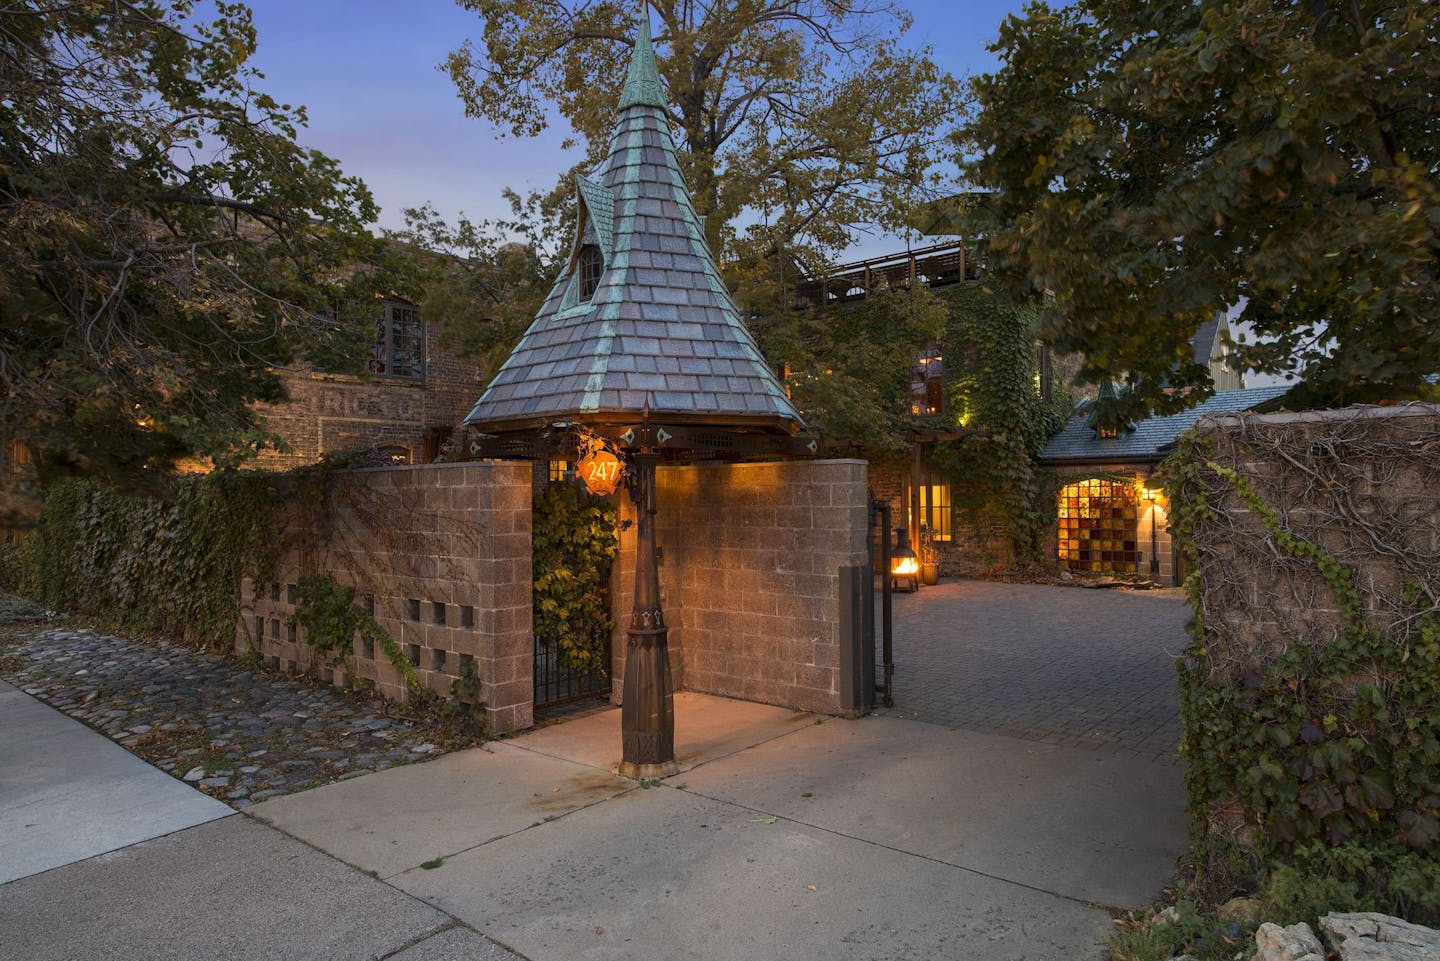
(399, 349)
(590, 265)
(927, 378)
(935, 511)
(1098, 526)
(560, 471)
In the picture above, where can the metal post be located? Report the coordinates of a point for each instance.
(647, 714)
(887, 652)
(1154, 543)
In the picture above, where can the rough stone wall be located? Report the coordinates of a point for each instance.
(1362, 484)
(330, 413)
(441, 553)
(750, 577)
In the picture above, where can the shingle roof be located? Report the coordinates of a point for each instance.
(661, 330)
(1077, 443)
(600, 202)
(1203, 343)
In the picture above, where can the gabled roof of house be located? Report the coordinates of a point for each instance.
(661, 332)
(1077, 442)
(1203, 343)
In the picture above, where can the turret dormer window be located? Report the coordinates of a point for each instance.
(590, 265)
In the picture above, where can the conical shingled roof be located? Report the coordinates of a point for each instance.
(661, 330)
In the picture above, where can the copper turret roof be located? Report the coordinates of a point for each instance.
(660, 331)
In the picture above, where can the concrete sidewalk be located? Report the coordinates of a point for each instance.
(787, 835)
(67, 793)
(107, 857)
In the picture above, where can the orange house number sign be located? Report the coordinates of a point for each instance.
(600, 470)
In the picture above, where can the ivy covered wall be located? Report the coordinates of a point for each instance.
(994, 389)
(169, 565)
(1311, 685)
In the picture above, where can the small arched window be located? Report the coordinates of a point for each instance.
(591, 265)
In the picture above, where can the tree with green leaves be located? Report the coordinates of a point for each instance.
(1158, 161)
(851, 363)
(168, 243)
(810, 114)
(480, 282)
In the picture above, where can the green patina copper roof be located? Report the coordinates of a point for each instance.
(642, 86)
(661, 330)
(601, 205)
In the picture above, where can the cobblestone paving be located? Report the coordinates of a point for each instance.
(1062, 665)
(238, 735)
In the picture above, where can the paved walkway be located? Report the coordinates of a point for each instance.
(67, 794)
(1024, 783)
(1059, 665)
(786, 835)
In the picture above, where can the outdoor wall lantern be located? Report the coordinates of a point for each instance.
(904, 564)
(1152, 496)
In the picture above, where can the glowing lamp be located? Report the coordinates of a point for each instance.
(904, 563)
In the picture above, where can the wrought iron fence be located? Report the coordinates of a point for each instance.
(557, 683)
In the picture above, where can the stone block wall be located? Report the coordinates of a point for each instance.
(1360, 482)
(750, 577)
(440, 553)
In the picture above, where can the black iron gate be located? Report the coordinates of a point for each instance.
(557, 683)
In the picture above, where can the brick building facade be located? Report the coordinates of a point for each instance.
(401, 410)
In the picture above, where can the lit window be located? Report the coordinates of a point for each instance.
(927, 394)
(931, 493)
(591, 265)
(935, 511)
(399, 349)
(1098, 526)
(1108, 433)
(560, 471)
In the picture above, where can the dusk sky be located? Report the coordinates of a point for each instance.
(366, 70)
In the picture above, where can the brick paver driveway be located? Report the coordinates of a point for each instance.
(1057, 664)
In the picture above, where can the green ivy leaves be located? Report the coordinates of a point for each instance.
(333, 622)
(574, 543)
(170, 565)
(1331, 744)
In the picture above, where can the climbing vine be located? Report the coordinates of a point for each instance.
(333, 621)
(1310, 702)
(994, 391)
(574, 544)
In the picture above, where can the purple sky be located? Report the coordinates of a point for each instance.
(366, 72)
